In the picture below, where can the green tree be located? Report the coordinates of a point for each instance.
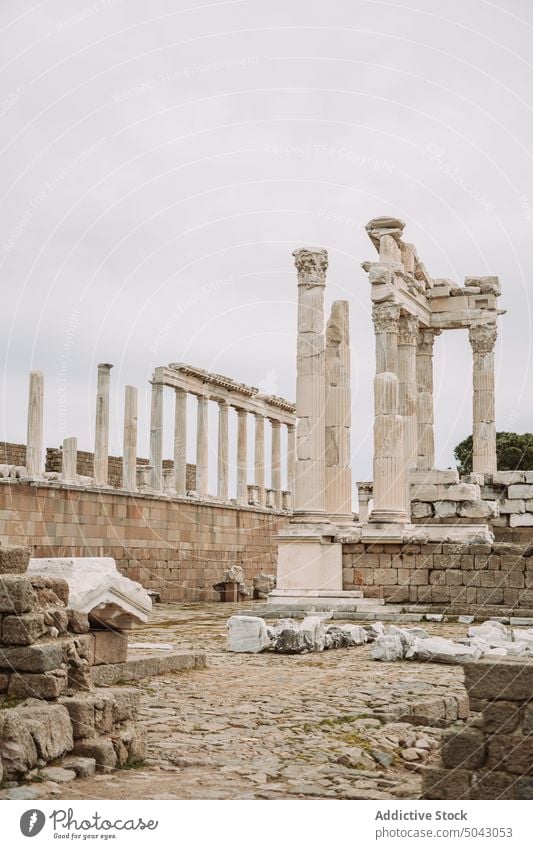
(513, 450)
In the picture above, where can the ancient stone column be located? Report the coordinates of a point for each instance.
(391, 501)
(407, 340)
(276, 461)
(424, 379)
(291, 461)
(483, 339)
(34, 439)
(180, 442)
(364, 491)
(242, 456)
(156, 438)
(101, 437)
(310, 478)
(69, 460)
(338, 415)
(386, 318)
(223, 451)
(259, 456)
(129, 454)
(202, 451)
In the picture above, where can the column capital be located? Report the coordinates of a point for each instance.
(275, 422)
(483, 338)
(105, 367)
(311, 265)
(386, 317)
(408, 329)
(426, 339)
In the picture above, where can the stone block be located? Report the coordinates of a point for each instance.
(109, 647)
(520, 491)
(423, 492)
(126, 699)
(511, 753)
(507, 680)
(48, 685)
(501, 717)
(445, 509)
(459, 492)
(464, 749)
(83, 767)
(508, 478)
(56, 617)
(493, 784)
(438, 783)
(18, 753)
(100, 749)
(247, 634)
(4, 683)
(16, 594)
(81, 712)
(477, 509)
(35, 658)
(524, 788)
(23, 630)
(521, 520)
(14, 560)
(512, 505)
(50, 728)
(421, 510)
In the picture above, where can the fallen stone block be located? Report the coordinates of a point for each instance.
(247, 634)
(354, 635)
(492, 632)
(263, 585)
(440, 650)
(41, 657)
(290, 637)
(109, 647)
(14, 560)
(388, 647)
(16, 594)
(100, 749)
(23, 630)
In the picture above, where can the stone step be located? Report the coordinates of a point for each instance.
(146, 666)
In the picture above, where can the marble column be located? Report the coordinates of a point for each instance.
(69, 460)
(483, 339)
(223, 451)
(391, 498)
(364, 492)
(291, 461)
(34, 439)
(424, 380)
(156, 438)
(101, 440)
(407, 340)
(386, 318)
(259, 457)
(129, 453)
(202, 445)
(310, 478)
(242, 456)
(276, 461)
(180, 442)
(338, 415)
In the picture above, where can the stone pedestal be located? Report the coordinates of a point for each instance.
(483, 339)
(34, 440)
(101, 439)
(308, 562)
(338, 416)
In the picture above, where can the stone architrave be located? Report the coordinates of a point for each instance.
(483, 339)
(34, 441)
(407, 341)
(101, 438)
(310, 478)
(180, 442)
(97, 588)
(129, 458)
(338, 415)
(69, 459)
(424, 379)
(391, 502)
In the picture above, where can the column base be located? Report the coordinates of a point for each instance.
(389, 517)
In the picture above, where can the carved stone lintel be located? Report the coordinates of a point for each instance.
(386, 317)
(408, 330)
(483, 338)
(311, 265)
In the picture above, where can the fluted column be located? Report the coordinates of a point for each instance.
(424, 379)
(180, 442)
(156, 438)
(69, 460)
(101, 438)
(223, 451)
(390, 491)
(291, 461)
(338, 415)
(364, 492)
(310, 478)
(259, 456)
(34, 439)
(407, 340)
(202, 449)
(129, 453)
(276, 461)
(242, 456)
(386, 318)
(483, 339)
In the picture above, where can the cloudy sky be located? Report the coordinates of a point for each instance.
(160, 161)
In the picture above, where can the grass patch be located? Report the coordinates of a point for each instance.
(11, 702)
(132, 765)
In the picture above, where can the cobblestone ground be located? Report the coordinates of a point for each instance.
(329, 725)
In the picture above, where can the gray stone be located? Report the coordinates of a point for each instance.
(16, 594)
(247, 634)
(110, 647)
(78, 622)
(291, 637)
(23, 630)
(50, 728)
(42, 657)
(59, 774)
(48, 685)
(263, 585)
(100, 749)
(14, 560)
(440, 650)
(23, 792)
(83, 767)
(18, 752)
(388, 648)
(463, 749)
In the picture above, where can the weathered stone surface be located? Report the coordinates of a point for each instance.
(290, 637)
(491, 784)
(81, 712)
(51, 591)
(14, 560)
(35, 658)
(388, 647)
(16, 594)
(501, 717)
(49, 726)
(520, 491)
(48, 685)
(100, 749)
(437, 784)
(263, 584)
(82, 767)
(109, 647)
(59, 774)
(421, 510)
(78, 622)
(56, 618)
(23, 630)
(464, 749)
(247, 634)
(440, 650)
(506, 680)
(233, 575)
(511, 753)
(18, 752)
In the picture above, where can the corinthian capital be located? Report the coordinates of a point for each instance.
(483, 338)
(408, 330)
(425, 340)
(311, 265)
(386, 317)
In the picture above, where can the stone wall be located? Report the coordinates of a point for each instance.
(179, 547)
(455, 578)
(492, 758)
(12, 454)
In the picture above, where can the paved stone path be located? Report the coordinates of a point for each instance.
(329, 725)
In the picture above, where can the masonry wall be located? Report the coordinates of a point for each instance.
(454, 578)
(12, 454)
(178, 547)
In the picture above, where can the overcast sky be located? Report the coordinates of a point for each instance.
(161, 161)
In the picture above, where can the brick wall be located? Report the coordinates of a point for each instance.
(179, 547)
(492, 757)
(455, 578)
(12, 454)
